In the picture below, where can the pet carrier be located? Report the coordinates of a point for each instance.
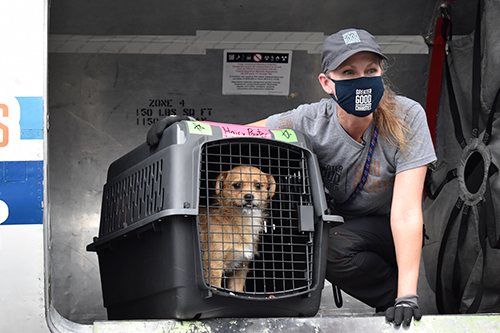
(218, 220)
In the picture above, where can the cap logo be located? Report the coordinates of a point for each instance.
(351, 37)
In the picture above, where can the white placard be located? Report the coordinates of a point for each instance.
(256, 72)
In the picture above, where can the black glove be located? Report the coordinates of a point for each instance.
(156, 131)
(405, 308)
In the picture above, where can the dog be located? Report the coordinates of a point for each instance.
(230, 230)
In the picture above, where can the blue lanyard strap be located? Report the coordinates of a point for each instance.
(331, 202)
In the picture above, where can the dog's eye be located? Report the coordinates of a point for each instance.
(237, 186)
(258, 186)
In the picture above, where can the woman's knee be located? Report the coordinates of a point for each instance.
(341, 249)
(342, 242)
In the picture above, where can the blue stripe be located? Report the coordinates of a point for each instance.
(31, 117)
(21, 188)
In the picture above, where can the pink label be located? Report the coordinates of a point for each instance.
(232, 130)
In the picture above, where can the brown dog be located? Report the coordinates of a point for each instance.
(231, 228)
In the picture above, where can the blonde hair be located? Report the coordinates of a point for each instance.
(391, 121)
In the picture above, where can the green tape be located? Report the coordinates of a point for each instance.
(196, 127)
(286, 135)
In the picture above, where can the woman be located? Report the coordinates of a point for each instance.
(375, 255)
(373, 148)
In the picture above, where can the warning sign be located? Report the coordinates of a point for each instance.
(256, 72)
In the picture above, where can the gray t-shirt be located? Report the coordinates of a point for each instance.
(342, 159)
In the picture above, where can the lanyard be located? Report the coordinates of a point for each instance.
(331, 202)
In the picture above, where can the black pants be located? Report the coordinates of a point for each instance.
(362, 260)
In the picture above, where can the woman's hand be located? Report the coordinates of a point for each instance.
(407, 231)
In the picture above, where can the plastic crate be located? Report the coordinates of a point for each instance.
(154, 257)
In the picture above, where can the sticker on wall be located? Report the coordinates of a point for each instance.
(256, 72)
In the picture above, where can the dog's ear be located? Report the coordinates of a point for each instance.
(272, 185)
(218, 183)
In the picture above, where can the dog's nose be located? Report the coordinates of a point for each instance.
(248, 197)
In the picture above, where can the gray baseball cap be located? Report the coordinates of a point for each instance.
(343, 44)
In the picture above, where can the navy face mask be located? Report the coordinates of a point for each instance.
(359, 97)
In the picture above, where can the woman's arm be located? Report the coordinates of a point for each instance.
(407, 227)
(260, 123)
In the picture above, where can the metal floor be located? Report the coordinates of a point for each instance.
(455, 324)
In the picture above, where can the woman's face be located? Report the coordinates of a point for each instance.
(358, 65)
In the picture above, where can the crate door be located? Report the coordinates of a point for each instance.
(283, 260)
